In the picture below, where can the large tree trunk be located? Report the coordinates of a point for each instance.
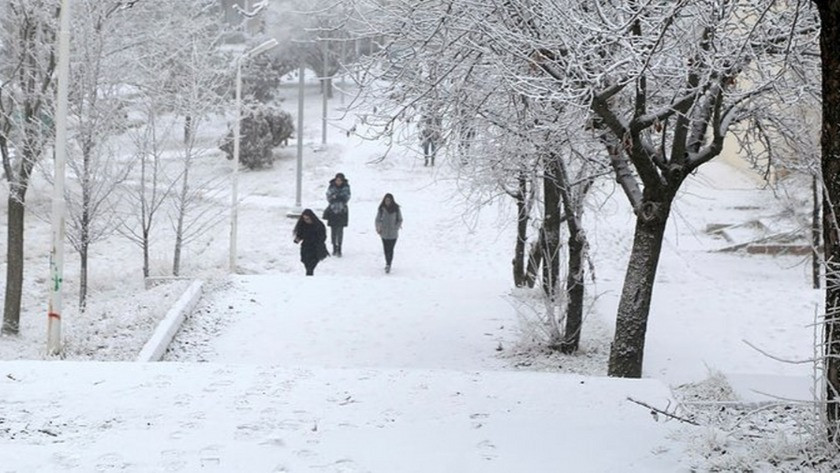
(830, 143)
(574, 291)
(628, 344)
(816, 228)
(14, 264)
(534, 260)
(551, 227)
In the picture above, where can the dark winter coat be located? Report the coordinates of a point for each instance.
(312, 238)
(338, 213)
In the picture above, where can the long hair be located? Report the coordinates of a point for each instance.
(300, 223)
(343, 180)
(389, 208)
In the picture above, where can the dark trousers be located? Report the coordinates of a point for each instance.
(336, 236)
(310, 267)
(388, 246)
(429, 151)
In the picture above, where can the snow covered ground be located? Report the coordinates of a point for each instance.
(431, 368)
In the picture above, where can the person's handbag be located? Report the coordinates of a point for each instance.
(327, 213)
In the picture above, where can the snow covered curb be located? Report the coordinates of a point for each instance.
(168, 327)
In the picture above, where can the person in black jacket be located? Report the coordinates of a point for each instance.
(311, 233)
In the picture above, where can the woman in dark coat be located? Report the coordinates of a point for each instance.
(388, 223)
(337, 212)
(312, 236)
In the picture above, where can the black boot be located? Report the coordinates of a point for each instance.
(338, 250)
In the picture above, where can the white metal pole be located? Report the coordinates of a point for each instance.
(234, 194)
(342, 55)
(55, 307)
(299, 173)
(325, 90)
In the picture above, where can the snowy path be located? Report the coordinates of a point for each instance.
(339, 322)
(168, 417)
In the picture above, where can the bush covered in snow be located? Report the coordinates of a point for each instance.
(263, 127)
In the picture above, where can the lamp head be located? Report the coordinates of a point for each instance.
(262, 47)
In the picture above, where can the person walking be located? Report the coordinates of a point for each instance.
(312, 235)
(429, 138)
(388, 224)
(337, 212)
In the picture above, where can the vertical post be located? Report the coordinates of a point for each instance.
(343, 68)
(325, 91)
(234, 194)
(56, 281)
(357, 59)
(298, 174)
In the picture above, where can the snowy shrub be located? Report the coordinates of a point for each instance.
(742, 436)
(262, 73)
(262, 128)
(281, 125)
(532, 350)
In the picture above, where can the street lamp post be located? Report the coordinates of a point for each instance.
(299, 163)
(56, 282)
(234, 194)
(325, 85)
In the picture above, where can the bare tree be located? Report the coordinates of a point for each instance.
(184, 75)
(27, 62)
(664, 81)
(199, 77)
(98, 111)
(665, 115)
(502, 139)
(151, 190)
(198, 98)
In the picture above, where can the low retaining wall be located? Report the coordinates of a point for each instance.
(168, 327)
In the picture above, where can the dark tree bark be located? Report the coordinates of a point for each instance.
(551, 226)
(146, 271)
(692, 119)
(627, 351)
(574, 293)
(188, 129)
(573, 210)
(83, 276)
(816, 228)
(519, 276)
(830, 143)
(535, 259)
(33, 81)
(84, 223)
(14, 264)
